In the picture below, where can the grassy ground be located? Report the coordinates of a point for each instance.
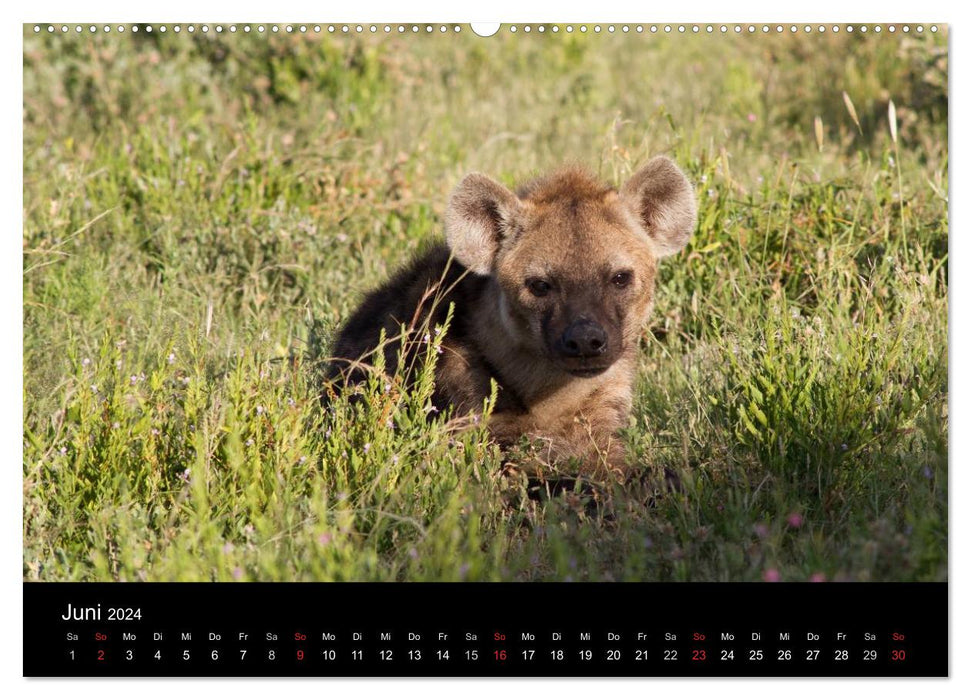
(201, 212)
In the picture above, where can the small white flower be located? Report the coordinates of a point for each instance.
(86, 361)
(259, 410)
(171, 357)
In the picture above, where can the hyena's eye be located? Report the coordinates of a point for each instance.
(621, 279)
(538, 287)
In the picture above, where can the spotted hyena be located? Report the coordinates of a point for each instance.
(550, 288)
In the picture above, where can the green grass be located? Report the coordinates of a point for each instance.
(201, 212)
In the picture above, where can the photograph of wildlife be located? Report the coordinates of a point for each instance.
(566, 303)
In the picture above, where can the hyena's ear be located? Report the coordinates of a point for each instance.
(663, 201)
(480, 214)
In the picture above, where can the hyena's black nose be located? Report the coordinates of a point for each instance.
(584, 338)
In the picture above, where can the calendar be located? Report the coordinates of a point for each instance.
(437, 349)
(338, 630)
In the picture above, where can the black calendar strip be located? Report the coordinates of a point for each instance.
(341, 630)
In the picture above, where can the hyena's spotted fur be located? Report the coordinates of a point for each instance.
(551, 287)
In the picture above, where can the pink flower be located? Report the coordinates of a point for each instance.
(761, 529)
(794, 520)
(325, 538)
(818, 577)
(771, 576)
(752, 117)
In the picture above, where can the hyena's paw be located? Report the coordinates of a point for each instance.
(652, 484)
